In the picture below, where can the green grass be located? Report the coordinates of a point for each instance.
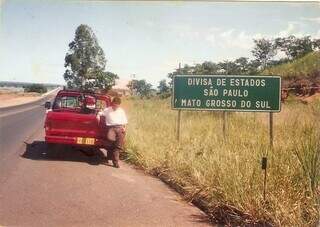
(301, 67)
(230, 172)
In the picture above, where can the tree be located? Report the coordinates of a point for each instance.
(185, 71)
(132, 85)
(140, 88)
(163, 87)
(253, 67)
(85, 62)
(144, 88)
(210, 68)
(295, 47)
(316, 44)
(228, 67)
(263, 51)
(242, 65)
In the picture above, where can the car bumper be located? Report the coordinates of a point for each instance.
(73, 141)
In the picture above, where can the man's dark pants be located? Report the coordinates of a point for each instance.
(117, 145)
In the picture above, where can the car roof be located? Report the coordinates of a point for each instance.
(77, 93)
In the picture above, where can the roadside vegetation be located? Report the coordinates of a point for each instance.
(227, 174)
(307, 66)
(39, 88)
(300, 77)
(224, 177)
(27, 87)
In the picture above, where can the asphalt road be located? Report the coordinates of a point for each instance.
(18, 123)
(64, 187)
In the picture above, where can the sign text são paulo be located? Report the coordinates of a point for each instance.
(233, 93)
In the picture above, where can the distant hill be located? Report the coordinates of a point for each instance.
(305, 67)
(22, 84)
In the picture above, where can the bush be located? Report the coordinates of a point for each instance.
(164, 95)
(39, 88)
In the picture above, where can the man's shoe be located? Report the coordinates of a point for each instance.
(116, 165)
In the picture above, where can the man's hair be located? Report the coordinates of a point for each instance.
(116, 100)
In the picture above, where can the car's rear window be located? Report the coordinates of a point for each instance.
(75, 103)
(67, 102)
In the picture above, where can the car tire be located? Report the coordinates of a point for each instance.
(89, 151)
(50, 146)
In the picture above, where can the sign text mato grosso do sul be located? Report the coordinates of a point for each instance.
(229, 93)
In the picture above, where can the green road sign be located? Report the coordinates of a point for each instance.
(227, 92)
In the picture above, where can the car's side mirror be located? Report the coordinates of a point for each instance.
(47, 105)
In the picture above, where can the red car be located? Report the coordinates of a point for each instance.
(72, 119)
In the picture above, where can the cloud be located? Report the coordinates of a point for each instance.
(184, 31)
(312, 19)
(232, 38)
(239, 40)
(217, 37)
(227, 33)
(293, 28)
(150, 23)
(211, 38)
(288, 31)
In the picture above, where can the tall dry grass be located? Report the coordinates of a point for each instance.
(229, 172)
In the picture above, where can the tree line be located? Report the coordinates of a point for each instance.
(265, 54)
(85, 63)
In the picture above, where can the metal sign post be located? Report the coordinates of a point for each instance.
(178, 125)
(224, 115)
(265, 159)
(264, 167)
(271, 130)
(179, 114)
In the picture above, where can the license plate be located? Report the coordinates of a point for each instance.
(86, 141)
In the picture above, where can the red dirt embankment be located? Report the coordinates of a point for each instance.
(302, 87)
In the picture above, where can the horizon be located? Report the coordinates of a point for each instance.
(142, 40)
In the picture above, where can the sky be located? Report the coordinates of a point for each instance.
(141, 40)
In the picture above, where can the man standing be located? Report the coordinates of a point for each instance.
(116, 121)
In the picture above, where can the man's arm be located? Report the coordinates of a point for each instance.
(99, 114)
(124, 120)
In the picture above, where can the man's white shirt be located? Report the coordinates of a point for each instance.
(114, 117)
